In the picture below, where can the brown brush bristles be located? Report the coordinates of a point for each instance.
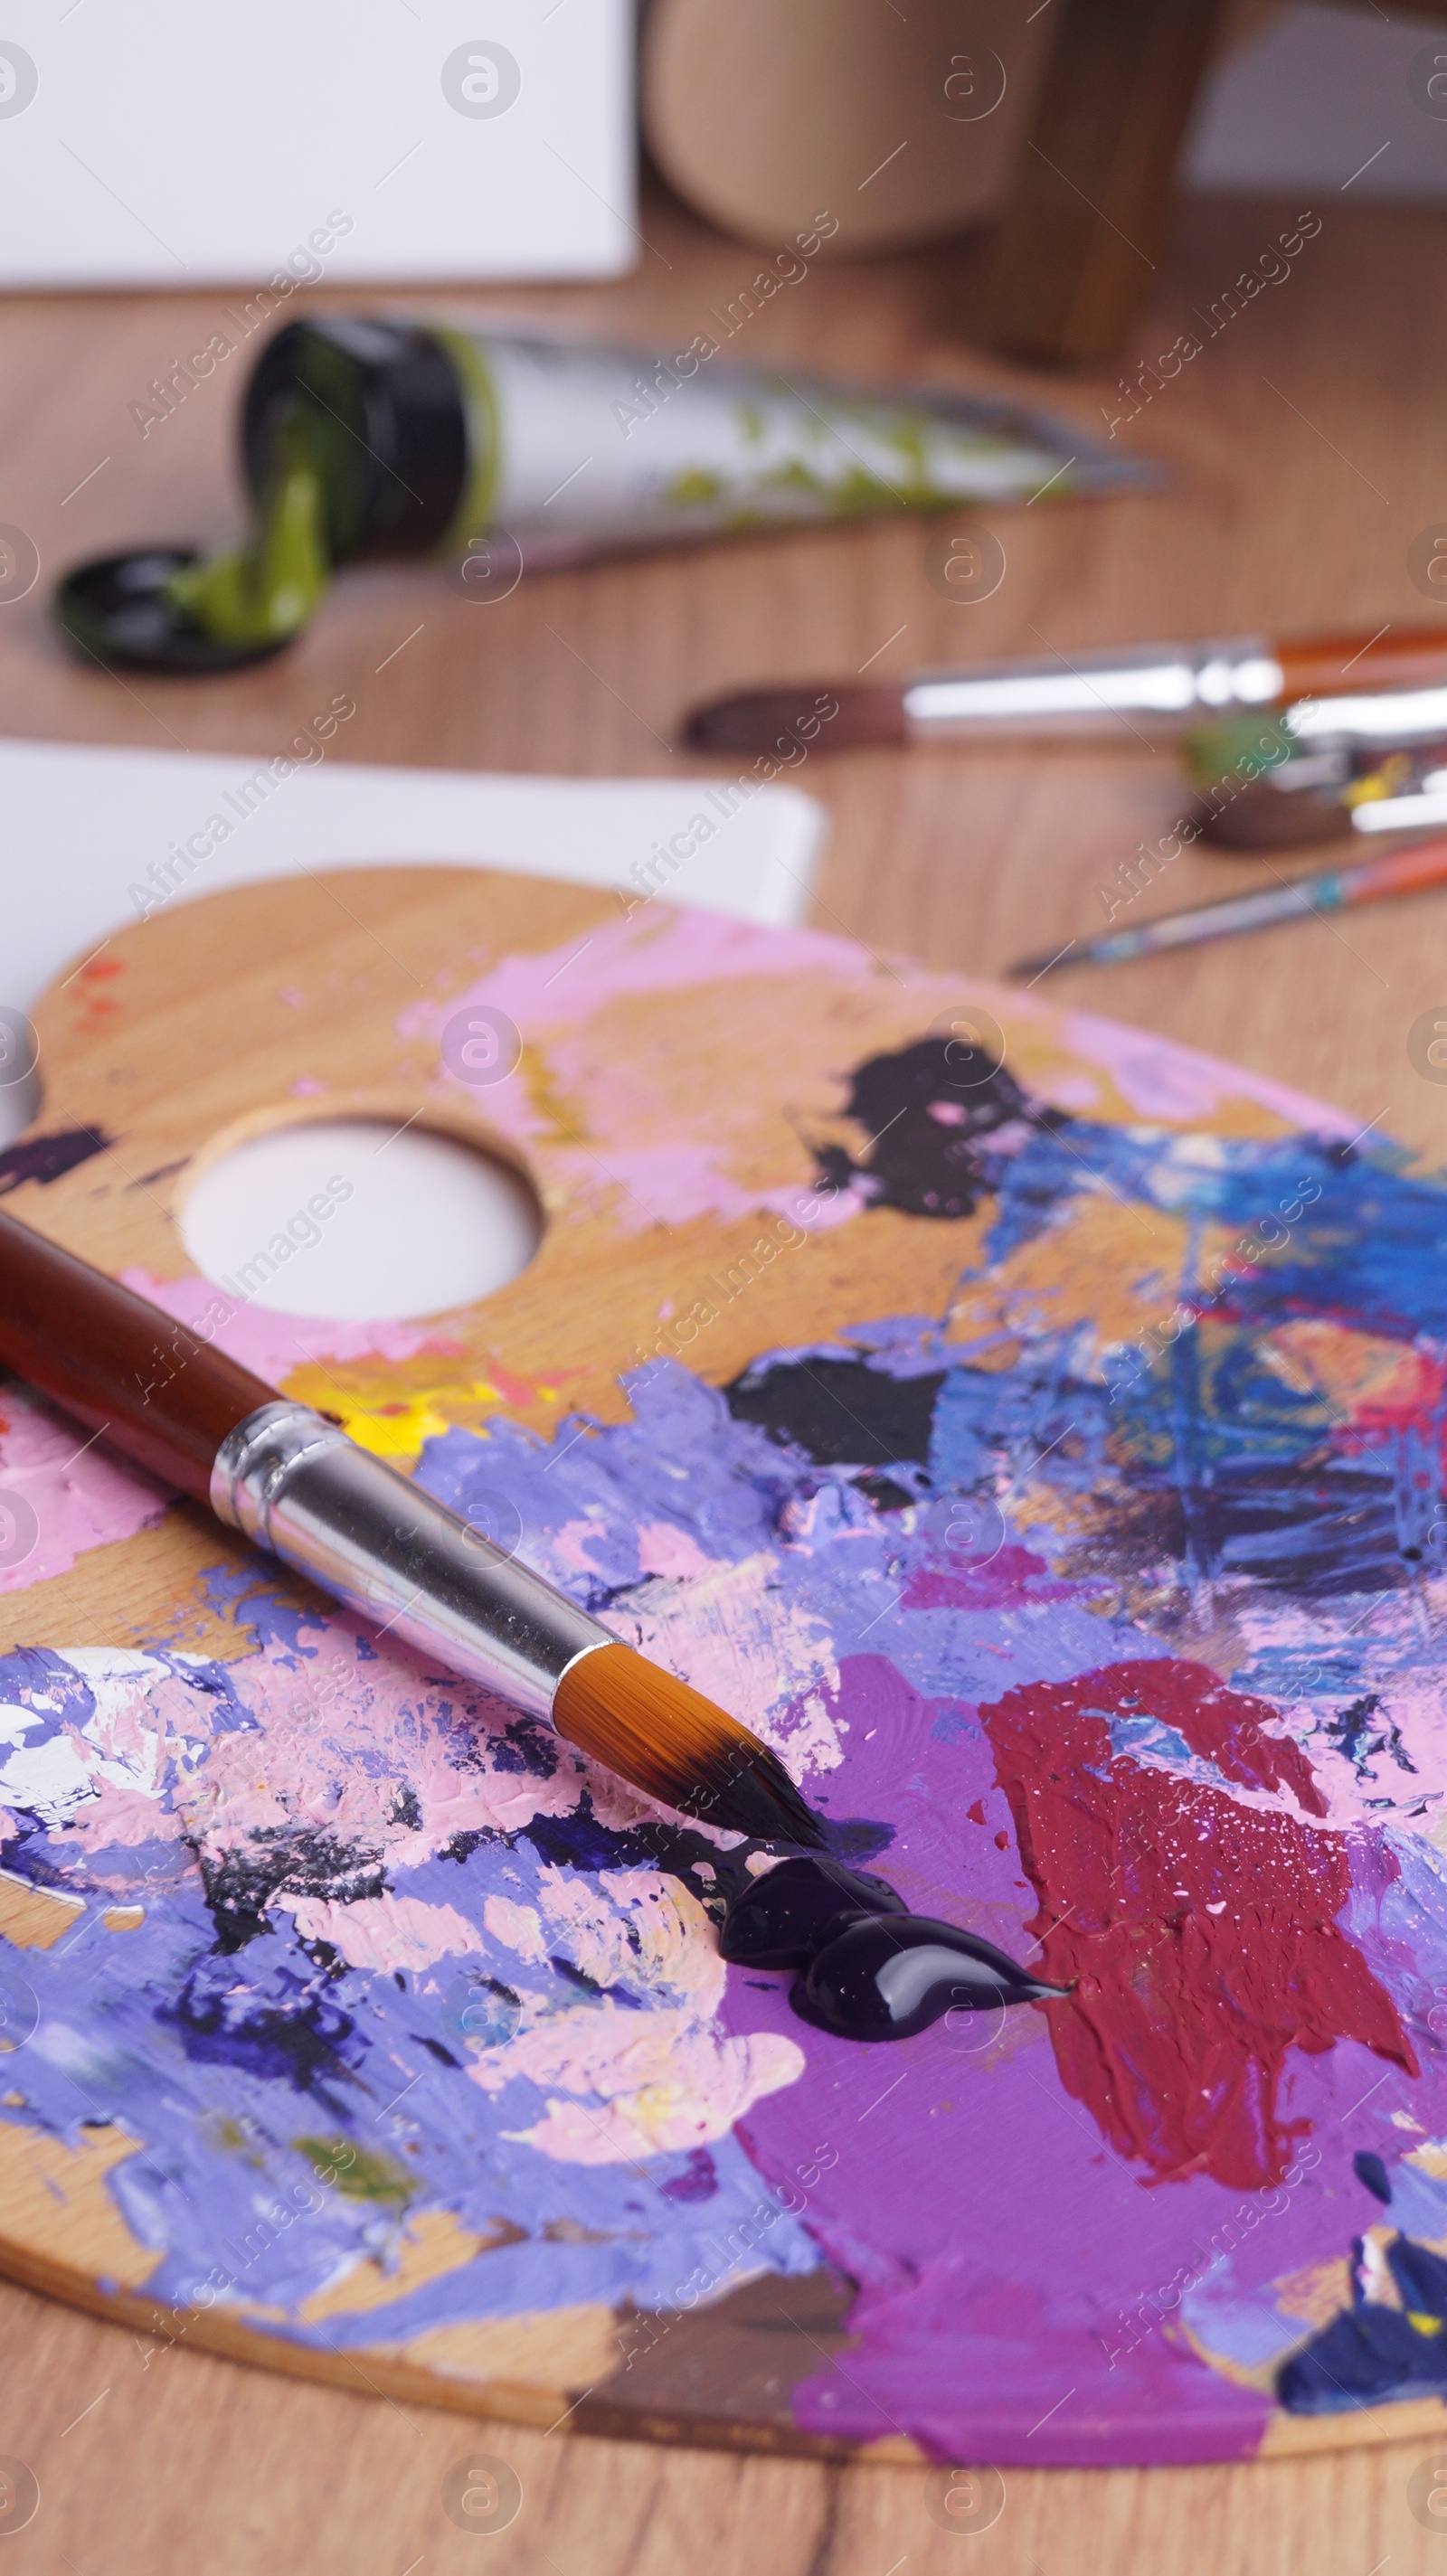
(673, 1743)
(790, 718)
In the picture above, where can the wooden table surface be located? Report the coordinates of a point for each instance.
(1305, 442)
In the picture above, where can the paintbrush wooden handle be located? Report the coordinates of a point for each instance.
(291, 1481)
(118, 1363)
(1331, 666)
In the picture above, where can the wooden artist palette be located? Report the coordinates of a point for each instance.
(1030, 1426)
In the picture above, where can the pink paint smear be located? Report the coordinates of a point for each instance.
(273, 1344)
(81, 1498)
(1162, 1079)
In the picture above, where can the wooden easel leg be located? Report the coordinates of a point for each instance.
(1077, 248)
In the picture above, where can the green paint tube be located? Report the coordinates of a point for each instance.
(498, 454)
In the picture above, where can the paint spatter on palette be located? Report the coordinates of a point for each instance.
(49, 1158)
(1071, 1608)
(842, 1412)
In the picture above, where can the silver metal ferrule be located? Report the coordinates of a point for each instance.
(1377, 718)
(1158, 688)
(295, 1484)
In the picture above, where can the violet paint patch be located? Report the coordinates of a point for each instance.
(49, 1158)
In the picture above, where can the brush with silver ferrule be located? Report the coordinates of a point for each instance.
(1116, 692)
(1347, 790)
(290, 1480)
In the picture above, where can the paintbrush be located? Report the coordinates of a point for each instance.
(292, 1482)
(1150, 690)
(1330, 890)
(1341, 792)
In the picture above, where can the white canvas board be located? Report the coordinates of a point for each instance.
(162, 144)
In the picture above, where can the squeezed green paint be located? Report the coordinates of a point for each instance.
(697, 487)
(357, 2172)
(916, 442)
(236, 2138)
(1242, 744)
(268, 588)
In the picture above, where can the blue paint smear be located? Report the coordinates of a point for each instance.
(1375, 2352)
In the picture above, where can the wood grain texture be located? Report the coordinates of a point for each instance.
(1306, 441)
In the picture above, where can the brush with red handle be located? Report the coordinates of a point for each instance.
(292, 1482)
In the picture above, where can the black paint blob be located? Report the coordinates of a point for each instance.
(281, 2030)
(841, 1413)
(887, 1977)
(784, 1919)
(241, 1883)
(872, 1971)
(929, 1112)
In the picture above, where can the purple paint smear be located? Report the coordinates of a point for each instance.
(49, 1158)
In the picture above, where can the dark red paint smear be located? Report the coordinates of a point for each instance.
(1181, 2017)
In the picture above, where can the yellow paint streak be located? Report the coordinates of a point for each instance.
(567, 1118)
(1071, 1516)
(392, 1407)
(400, 1432)
(35, 1917)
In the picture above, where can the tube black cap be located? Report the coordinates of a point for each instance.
(387, 403)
